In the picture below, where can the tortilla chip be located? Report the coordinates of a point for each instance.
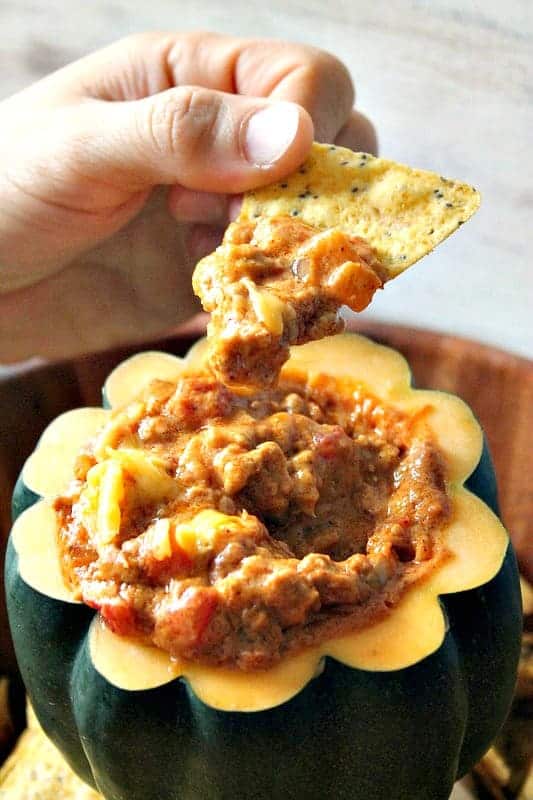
(524, 685)
(463, 790)
(6, 724)
(402, 212)
(526, 590)
(526, 793)
(37, 771)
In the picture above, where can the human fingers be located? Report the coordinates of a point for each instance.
(187, 205)
(93, 166)
(145, 64)
(91, 170)
(203, 139)
(122, 120)
(298, 73)
(358, 134)
(323, 87)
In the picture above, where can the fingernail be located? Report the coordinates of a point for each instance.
(269, 132)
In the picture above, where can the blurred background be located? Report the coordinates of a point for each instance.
(448, 84)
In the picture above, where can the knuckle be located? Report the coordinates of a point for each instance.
(138, 41)
(331, 69)
(185, 121)
(144, 51)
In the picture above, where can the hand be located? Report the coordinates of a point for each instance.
(99, 160)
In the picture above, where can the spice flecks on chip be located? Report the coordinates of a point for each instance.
(403, 213)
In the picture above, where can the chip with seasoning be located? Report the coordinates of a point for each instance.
(403, 213)
(329, 235)
(37, 771)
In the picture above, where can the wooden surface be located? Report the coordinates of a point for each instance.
(497, 385)
(447, 83)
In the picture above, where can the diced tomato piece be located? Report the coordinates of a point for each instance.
(117, 614)
(192, 614)
(181, 560)
(332, 444)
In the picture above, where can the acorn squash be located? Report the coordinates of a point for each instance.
(398, 710)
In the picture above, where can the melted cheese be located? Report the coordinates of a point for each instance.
(113, 435)
(158, 538)
(152, 482)
(268, 308)
(198, 535)
(415, 629)
(103, 496)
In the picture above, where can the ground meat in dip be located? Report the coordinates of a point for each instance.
(232, 530)
(275, 282)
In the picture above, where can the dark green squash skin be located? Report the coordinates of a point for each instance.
(350, 734)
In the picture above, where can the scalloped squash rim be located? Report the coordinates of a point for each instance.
(413, 630)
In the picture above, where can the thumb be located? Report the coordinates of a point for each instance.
(202, 139)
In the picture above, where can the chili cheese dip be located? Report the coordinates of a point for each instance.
(231, 529)
(277, 282)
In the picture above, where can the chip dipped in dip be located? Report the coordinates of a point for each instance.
(330, 235)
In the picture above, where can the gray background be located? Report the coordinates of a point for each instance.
(449, 84)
